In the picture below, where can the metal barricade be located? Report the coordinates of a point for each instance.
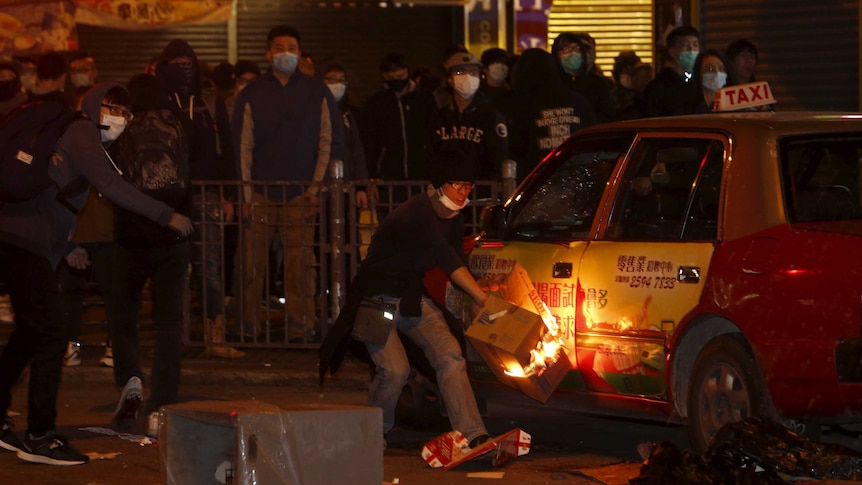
(277, 272)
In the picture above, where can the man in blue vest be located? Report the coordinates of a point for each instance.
(287, 127)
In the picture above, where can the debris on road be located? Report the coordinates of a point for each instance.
(755, 450)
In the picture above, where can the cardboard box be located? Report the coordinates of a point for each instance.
(249, 442)
(504, 334)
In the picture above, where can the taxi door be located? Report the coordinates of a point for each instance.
(647, 269)
(549, 225)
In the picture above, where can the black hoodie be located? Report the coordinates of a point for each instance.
(153, 154)
(182, 85)
(540, 111)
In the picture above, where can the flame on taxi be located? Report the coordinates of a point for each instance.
(546, 352)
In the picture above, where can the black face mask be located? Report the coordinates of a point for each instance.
(177, 79)
(397, 85)
(9, 88)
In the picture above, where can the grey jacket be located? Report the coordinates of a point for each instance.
(43, 225)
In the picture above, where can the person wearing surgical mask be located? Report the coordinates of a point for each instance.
(34, 241)
(153, 156)
(420, 234)
(304, 135)
(470, 123)
(334, 76)
(82, 71)
(571, 51)
(672, 92)
(495, 68)
(710, 75)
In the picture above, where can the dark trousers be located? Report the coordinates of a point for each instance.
(38, 339)
(73, 282)
(167, 268)
(208, 251)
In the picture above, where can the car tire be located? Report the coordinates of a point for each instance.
(725, 387)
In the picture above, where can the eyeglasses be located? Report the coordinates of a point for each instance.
(570, 49)
(117, 110)
(473, 71)
(468, 186)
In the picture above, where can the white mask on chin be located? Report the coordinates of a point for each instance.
(450, 204)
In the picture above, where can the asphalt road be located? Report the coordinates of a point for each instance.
(566, 448)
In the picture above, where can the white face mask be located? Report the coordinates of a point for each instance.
(498, 72)
(338, 90)
(713, 81)
(115, 127)
(450, 204)
(465, 85)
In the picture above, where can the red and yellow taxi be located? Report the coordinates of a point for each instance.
(704, 268)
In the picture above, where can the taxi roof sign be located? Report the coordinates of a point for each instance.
(743, 96)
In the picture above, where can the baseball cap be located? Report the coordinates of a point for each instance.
(461, 59)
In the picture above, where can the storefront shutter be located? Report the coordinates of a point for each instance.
(808, 50)
(357, 33)
(616, 25)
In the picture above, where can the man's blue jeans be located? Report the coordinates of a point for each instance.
(431, 333)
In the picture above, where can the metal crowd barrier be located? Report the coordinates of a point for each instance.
(342, 233)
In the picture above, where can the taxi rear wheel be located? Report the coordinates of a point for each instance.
(726, 387)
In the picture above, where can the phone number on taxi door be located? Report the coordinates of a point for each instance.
(657, 282)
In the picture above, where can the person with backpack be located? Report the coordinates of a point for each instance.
(153, 154)
(35, 236)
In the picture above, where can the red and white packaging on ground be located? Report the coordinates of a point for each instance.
(452, 448)
(444, 449)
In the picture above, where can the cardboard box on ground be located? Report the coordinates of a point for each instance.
(507, 330)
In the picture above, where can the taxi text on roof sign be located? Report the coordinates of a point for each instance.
(743, 96)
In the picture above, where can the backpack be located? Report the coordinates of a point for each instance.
(28, 138)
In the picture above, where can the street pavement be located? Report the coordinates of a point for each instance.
(260, 366)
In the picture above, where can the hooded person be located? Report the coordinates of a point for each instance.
(537, 91)
(11, 95)
(571, 52)
(34, 237)
(210, 157)
(424, 232)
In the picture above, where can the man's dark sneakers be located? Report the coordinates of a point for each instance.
(50, 449)
(127, 408)
(8, 440)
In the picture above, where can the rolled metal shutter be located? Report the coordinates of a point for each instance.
(809, 51)
(359, 34)
(120, 54)
(616, 25)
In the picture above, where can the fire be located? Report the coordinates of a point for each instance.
(546, 353)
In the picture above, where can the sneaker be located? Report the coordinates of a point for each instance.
(8, 439)
(73, 355)
(127, 409)
(50, 449)
(107, 360)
